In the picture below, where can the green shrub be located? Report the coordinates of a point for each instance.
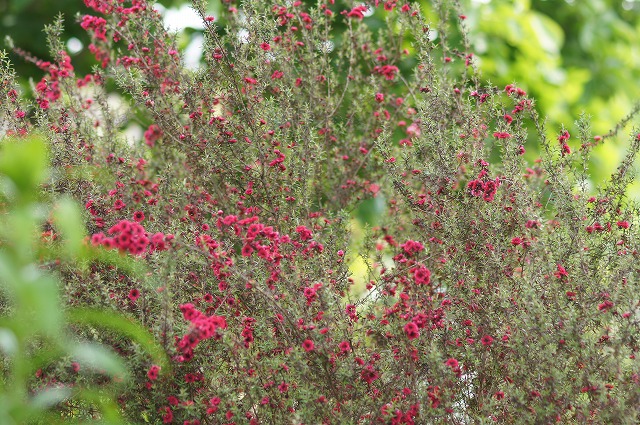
(495, 290)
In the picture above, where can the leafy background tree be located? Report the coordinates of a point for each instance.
(571, 56)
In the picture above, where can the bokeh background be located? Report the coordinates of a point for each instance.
(572, 56)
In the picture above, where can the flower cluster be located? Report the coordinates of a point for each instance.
(130, 236)
(483, 187)
(202, 328)
(257, 175)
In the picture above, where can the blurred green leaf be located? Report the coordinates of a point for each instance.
(110, 413)
(100, 359)
(69, 222)
(49, 397)
(8, 274)
(123, 262)
(122, 326)
(37, 296)
(370, 211)
(8, 342)
(548, 32)
(20, 5)
(25, 162)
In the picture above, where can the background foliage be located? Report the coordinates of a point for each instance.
(492, 289)
(571, 56)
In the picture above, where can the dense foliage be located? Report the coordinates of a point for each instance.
(496, 289)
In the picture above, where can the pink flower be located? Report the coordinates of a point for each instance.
(152, 134)
(308, 345)
(134, 294)
(388, 71)
(344, 347)
(486, 340)
(168, 416)
(369, 374)
(452, 363)
(562, 272)
(153, 372)
(623, 224)
(422, 276)
(412, 331)
(357, 12)
(138, 216)
(501, 135)
(118, 205)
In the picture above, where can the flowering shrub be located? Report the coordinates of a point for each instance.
(496, 289)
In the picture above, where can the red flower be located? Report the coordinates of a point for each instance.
(247, 250)
(422, 276)
(350, 309)
(138, 216)
(344, 347)
(369, 374)
(389, 71)
(564, 136)
(152, 134)
(308, 345)
(606, 305)
(452, 363)
(357, 12)
(152, 374)
(486, 340)
(501, 135)
(562, 272)
(412, 331)
(168, 417)
(134, 294)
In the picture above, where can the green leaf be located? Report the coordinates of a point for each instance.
(548, 33)
(109, 409)
(69, 222)
(123, 326)
(8, 342)
(38, 302)
(25, 162)
(370, 211)
(123, 262)
(9, 276)
(49, 397)
(99, 358)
